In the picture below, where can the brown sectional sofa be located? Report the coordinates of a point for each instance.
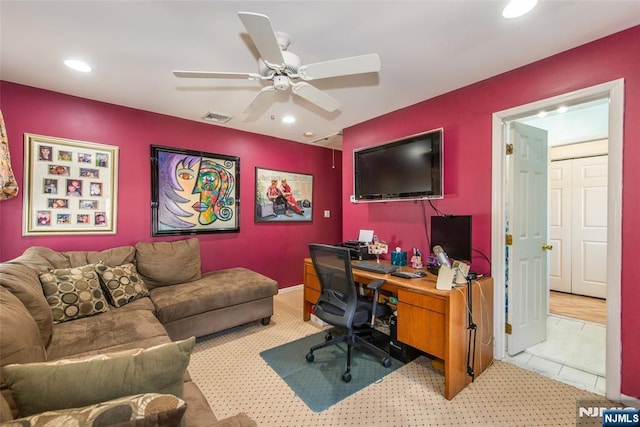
(176, 302)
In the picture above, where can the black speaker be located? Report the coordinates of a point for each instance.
(399, 350)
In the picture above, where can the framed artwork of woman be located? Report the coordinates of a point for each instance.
(194, 192)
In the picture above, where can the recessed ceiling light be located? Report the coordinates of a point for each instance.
(517, 8)
(308, 134)
(542, 114)
(77, 65)
(288, 119)
(562, 109)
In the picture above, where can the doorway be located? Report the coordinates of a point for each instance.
(614, 91)
(573, 348)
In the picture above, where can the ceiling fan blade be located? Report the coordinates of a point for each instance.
(316, 96)
(341, 67)
(262, 101)
(212, 75)
(259, 28)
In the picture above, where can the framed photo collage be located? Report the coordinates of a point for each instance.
(70, 186)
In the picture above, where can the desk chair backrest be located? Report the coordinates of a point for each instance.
(338, 294)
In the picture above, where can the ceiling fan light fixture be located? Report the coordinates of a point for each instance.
(517, 8)
(281, 82)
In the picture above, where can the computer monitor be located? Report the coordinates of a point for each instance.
(453, 234)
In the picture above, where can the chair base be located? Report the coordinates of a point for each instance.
(351, 338)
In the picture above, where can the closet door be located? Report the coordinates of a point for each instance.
(589, 230)
(560, 187)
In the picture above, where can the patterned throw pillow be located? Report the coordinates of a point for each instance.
(151, 409)
(122, 284)
(73, 293)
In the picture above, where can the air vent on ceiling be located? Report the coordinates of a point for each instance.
(216, 117)
(330, 141)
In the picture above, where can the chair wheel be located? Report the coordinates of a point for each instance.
(328, 336)
(346, 377)
(386, 362)
(310, 357)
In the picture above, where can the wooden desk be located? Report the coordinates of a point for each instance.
(431, 320)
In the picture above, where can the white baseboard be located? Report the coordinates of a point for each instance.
(290, 289)
(631, 401)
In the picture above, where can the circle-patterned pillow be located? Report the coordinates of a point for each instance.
(122, 284)
(73, 293)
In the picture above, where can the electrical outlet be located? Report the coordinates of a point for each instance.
(327, 214)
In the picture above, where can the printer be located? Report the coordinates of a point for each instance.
(359, 249)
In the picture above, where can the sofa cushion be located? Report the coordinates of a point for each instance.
(24, 283)
(121, 284)
(148, 410)
(131, 326)
(73, 293)
(111, 257)
(40, 387)
(168, 263)
(19, 333)
(5, 410)
(42, 259)
(216, 289)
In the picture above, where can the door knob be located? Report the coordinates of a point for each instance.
(546, 247)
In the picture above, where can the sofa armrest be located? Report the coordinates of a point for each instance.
(238, 420)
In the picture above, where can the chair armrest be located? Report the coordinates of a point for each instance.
(376, 284)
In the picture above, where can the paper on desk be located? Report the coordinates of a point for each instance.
(365, 236)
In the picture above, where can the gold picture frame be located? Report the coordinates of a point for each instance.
(70, 187)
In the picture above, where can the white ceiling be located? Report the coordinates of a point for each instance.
(426, 48)
(584, 122)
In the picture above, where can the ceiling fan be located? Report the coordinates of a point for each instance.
(284, 69)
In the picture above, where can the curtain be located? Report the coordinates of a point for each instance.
(8, 184)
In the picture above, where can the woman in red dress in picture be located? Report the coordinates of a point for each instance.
(275, 195)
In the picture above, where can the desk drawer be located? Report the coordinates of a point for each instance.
(311, 280)
(311, 295)
(421, 328)
(430, 302)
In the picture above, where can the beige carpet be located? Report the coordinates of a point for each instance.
(228, 368)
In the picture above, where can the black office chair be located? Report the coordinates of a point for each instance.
(339, 304)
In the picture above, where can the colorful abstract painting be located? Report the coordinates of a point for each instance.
(193, 192)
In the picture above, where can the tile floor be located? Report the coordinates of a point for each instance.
(573, 353)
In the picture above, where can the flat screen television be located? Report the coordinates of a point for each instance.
(405, 169)
(453, 234)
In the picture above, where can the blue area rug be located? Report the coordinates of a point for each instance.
(319, 384)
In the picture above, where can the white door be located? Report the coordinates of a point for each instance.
(527, 281)
(589, 212)
(560, 186)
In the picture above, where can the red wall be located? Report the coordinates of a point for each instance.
(276, 250)
(466, 115)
